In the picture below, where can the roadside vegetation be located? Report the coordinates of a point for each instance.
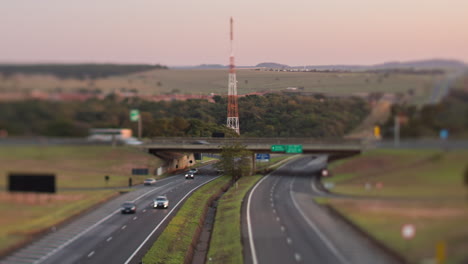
(177, 242)
(26, 215)
(427, 121)
(226, 242)
(425, 188)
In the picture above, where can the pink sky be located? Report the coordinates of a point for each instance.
(190, 32)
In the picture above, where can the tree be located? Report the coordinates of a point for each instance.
(235, 161)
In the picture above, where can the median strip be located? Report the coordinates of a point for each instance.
(177, 243)
(226, 243)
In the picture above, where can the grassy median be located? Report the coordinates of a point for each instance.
(420, 187)
(226, 243)
(177, 241)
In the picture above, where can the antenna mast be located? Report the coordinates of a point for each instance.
(233, 108)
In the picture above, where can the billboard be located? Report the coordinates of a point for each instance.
(31, 182)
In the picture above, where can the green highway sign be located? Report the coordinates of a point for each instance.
(278, 148)
(293, 148)
(134, 115)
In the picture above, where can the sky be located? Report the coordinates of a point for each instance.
(192, 32)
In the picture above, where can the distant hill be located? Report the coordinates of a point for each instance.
(272, 65)
(422, 64)
(418, 65)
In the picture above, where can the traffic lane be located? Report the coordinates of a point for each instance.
(305, 166)
(126, 241)
(75, 250)
(269, 242)
(308, 240)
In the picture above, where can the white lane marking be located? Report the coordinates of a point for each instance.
(274, 211)
(135, 218)
(48, 255)
(144, 211)
(249, 224)
(272, 205)
(277, 219)
(289, 240)
(123, 227)
(282, 228)
(109, 239)
(326, 241)
(91, 254)
(164, 219)
(297, 257)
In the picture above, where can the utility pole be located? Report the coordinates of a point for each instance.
(396, 132)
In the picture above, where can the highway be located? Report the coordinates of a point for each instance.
(104, 235)
(283, 224)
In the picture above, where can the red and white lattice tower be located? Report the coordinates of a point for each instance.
(233, 108)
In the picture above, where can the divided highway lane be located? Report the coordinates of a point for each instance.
(284, 225)
(105, 235)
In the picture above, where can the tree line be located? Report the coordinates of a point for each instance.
(451, 114)
(272, 115)
(78, 71)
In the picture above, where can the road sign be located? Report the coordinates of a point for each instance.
(444, 134)
(263, 156)
(134, 115)
(293, 148)
(278, 148)
(408, 231)
(140, 171)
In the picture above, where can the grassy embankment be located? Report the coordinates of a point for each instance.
(424, 188)
(177, 240)
(226, 243)
(24, 215)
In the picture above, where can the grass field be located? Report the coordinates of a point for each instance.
(424, 188)
(207, 81)
(176, 240)
(24, 215)
(77, 166)
(226, 242)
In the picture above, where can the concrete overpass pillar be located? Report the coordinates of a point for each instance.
(254, 164)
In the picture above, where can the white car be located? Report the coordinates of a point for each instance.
(161, 202)
(132, 141)
(193, 171)
(149, 181)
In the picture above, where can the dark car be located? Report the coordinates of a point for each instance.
(161, 202)
(128, 207)
(190, 176)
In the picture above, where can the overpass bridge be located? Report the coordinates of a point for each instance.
(335, 149)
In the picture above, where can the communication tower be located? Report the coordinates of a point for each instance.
(233, 108)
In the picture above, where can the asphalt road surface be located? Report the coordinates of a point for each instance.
(284, 225)
(107, 236)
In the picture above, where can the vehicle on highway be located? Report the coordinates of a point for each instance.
(132, 141)
(189, 175)
(161, 202)
(201, 142)
(193, 171)
(128, 207)
(149, 181)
